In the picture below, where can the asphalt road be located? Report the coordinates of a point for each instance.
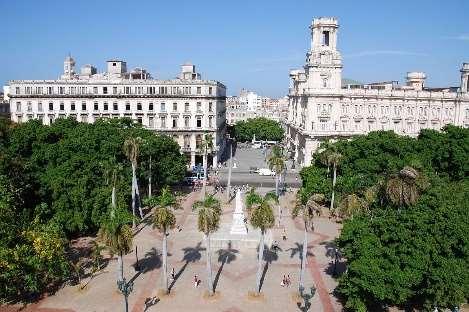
(247, 158)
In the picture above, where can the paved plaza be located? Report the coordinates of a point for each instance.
(234, 279)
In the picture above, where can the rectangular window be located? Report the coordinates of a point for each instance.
(210, 108)
(83, 106)
(39, 107)
(186, 107)
(29, 107)
(127, 106)
(163, 122)
(106, 107)
(175, 122)
(139, 106)
(104, 90)
(150, 106)
(199, 90)
(187, 122)
(199, 107)
(199, 122)
(96, 106)
(62, 106)
(210, 120)
(139, 120)
(210, 90)
(115, 106)
(17, 90)
(72, 106)
(114, 90)
(163, 107)
(95, 90)
(175, 107)
(325, 38)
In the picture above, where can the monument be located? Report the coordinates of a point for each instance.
(238, 226)
(236, 233)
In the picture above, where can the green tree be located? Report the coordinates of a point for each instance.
(352, 205)
(306, 208)
(209, 212)
(276, 162)
(164, 219)
(262, 218)
(117, 236)
(131, 150)
(262, 128)
(207, 146)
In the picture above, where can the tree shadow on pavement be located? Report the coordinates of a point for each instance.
(224, 256)
(191, 255)
(269, 256)
(306, 299)
(298, 249)
(337, 266)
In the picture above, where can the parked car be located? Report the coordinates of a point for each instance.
(266, 172)
(253, 169)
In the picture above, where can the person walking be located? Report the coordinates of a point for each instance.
(283, 281)
(173, 274)
(284, 235)
(196, 281)
(288, 280)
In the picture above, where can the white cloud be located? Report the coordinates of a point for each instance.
(384, 52)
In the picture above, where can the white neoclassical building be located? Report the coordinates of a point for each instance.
(322, 107)
(185, 108)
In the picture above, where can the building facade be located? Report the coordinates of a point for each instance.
(185, 108)
(322, 108)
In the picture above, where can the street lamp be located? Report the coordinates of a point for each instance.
(125, 288)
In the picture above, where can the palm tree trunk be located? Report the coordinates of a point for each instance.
(113, 201)
(120, 267)
(209, 265)
(149, 180)
(303, 258)
(276, 184)
(133, 195)
(137, 192)
(204, 187)
(259, 263)
(333, 188)
(165, 265)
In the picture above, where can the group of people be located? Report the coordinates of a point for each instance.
(286, 281)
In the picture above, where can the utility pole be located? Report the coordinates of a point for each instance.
(230, 164)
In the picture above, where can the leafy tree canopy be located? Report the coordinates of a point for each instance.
(263, 128)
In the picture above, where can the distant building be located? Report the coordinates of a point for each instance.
(322, 107)
(4, 107)
(185, 108)
(250, 105)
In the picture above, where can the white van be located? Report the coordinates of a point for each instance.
(266, 172)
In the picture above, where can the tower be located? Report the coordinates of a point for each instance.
(323, 61)
(69, 68)
(465, 78)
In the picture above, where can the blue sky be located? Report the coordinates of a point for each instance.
(250, 44)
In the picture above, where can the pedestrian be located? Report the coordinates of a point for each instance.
(283, 281)
(288, 280)
(284, 235)
(196, 281)
(173, 274)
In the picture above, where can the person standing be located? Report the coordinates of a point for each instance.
(196, 281)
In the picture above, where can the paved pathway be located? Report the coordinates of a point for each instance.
(235, 278)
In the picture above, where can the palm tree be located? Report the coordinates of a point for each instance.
(261, 217)
(113, 173)
(164, 219)
(117, 236)
(207, 145)
(209, 211)
(306, 208)
(402, 188)
(351, 205)
(334, 159)
(131, 150)
(276, 162)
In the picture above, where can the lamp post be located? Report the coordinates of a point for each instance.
(125, 288)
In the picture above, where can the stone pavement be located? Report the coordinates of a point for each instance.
(233, 279)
